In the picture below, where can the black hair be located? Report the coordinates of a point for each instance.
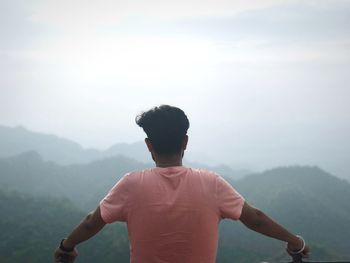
(166, 127)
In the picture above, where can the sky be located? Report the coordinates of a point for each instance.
(264, 83)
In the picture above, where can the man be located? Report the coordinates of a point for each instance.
(172, 212)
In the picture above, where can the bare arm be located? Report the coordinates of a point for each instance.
(87, 228)
(256, 220)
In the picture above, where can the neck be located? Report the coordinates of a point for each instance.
(168, 161)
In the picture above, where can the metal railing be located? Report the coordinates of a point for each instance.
(296, 259)
(64, 259)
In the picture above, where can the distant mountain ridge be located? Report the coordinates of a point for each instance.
(306, 199)
(18, 140)
(14, 141)
(29, 173)
(85, 184)
(32, 226)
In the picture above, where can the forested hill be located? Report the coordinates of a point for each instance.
(19, 140)
(31, 228)
(306, 199)
(29, 173)
(14, 141)
(84, 184)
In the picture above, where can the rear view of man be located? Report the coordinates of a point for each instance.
(172, 211)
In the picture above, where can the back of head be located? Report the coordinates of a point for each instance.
(166, 127)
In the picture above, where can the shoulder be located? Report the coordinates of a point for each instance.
(205, 172)
(214, 177)
(135, 176)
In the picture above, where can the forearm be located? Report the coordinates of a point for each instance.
(85, 230)
(258, 221)
(267, 226)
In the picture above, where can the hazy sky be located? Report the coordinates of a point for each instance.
(264, 83)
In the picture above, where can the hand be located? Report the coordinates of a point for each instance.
(296, 245)
(59, 253)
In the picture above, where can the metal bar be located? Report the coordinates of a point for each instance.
(298, 259)
(64, 258)
(326, 261)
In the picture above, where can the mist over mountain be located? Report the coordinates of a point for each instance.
(306, 199)
(265, 86)
(17, 140)
(14, 141)
(58, 181)
(29, 173)
(84, 184)
(30, 226)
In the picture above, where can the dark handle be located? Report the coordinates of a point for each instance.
(297, 258)
(64, 258)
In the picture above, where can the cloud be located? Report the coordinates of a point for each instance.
(72, 66)
(88, 14)
(298, 22)
(16, 27)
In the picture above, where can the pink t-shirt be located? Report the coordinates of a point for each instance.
(172, 213)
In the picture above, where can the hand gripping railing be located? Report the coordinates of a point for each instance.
(298, 259)
(64, 259)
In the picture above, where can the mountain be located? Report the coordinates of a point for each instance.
(18, 140)
(137, 151)
(306, 199)
(30, 173)
(14, 141)
(31, 228)
(84, 184)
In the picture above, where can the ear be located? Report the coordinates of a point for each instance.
(149, 145)
(184, 143)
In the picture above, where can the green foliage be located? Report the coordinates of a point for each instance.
(39, 203)
(306, 200)
(84, 184)
(31, 228)
(14, 141)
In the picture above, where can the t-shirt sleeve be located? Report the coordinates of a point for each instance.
(114, 206)
(229, 201)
